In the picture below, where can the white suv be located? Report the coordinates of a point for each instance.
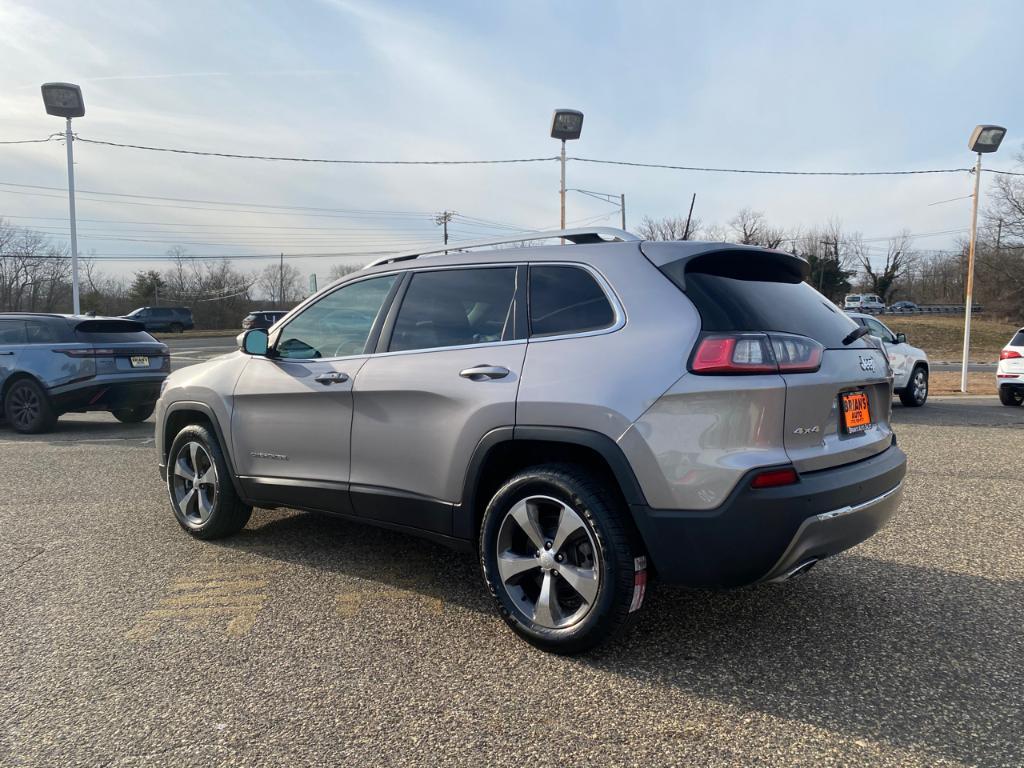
(1010, 373)
(909, 364)
(865, 302)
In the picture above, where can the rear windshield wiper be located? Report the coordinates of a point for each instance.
(855, 334)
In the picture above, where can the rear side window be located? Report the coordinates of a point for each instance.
(12, 332)
(1018, 339)
(740, 292)
(455, 307)
(42, 333)
(566, 300)
(111, 332)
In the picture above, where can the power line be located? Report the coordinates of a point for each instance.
(761, 172)
(314, 159)
(34, 141)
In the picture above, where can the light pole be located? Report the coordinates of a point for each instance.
(984, 139)
(65, 100)
(566, 125)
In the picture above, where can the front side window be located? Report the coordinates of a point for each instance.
(455, 307)
(878, 330)
(12, 332)
(566, 300)
(337, 325)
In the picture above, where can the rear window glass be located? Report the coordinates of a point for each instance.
(1018, 339)
(111, 332)
(566, 300)
(732, 303)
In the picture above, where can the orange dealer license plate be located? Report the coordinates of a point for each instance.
(856, 413)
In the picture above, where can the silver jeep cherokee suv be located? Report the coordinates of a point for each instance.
(578, 415)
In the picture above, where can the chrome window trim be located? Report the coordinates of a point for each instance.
(617, 324)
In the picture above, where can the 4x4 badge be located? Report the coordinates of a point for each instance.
(866, 363)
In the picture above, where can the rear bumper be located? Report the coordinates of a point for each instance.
(759, 535)
(108, 393)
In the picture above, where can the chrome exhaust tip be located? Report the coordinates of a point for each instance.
(798, 570)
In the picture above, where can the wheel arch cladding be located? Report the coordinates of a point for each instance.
(184, 413)
(504, 451)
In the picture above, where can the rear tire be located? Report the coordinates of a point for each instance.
(916, 393)
(28, 409)
(177, 328)
(1011, 397)
(590, 572)
(200, 488)
(134, 415)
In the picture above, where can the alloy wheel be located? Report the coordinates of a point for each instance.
(194, 483)
(25, 406)
(920, 386)
(548, 562)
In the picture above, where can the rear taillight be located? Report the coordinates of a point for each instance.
(747, 353)
(86, 352)
(1008, 354)
(773, 478)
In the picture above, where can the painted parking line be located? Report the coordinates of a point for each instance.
(225, 599)
(352, 602)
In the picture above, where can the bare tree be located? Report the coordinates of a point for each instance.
(340, 270)
(882, 281)
(750, 227)
(281, 283)
(668, 228)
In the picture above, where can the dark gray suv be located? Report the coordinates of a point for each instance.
(172, 319)
(580, 416)
(53, 364)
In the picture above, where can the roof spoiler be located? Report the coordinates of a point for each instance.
(741, 262)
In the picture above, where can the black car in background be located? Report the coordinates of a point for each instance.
(54, 364)
(173, 319)
(262, 318)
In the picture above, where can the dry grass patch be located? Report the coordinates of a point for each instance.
(942, 336)
(948, 383)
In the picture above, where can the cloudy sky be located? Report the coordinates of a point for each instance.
(777, 85)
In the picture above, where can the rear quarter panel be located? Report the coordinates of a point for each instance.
(604, 382)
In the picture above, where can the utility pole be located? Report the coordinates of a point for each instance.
(999, 237)
(442, 220)
(622, 205)
(821, 262)
(280, 282)
(689, 216)
(68, 139)
(970, 275)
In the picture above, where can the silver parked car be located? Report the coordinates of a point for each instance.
(53, 364)
(581, 416)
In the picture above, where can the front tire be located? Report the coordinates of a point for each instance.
(28, 409)
(199, 485)
(916, 393)
(1011, 397)
(560, 558)
(134, 415)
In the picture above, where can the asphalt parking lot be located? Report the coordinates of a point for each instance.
(310, 641)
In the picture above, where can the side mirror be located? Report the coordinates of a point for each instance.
(901, 338)
(254, 342)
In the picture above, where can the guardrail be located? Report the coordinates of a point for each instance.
(926, 309)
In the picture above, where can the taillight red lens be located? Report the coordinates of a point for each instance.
(796, 354)
(741, 353)
(1008, 354)
(773, 478)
